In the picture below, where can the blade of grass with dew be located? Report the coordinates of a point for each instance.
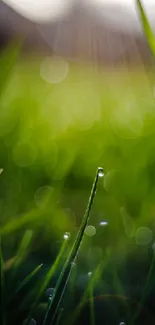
(66, 271)
(22, 251)
(2, 292)
(41, 289)
(7, 61)
(146, 27)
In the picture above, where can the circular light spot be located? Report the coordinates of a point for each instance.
(103, 223)
(89, 274)
(90, 231)
(67, 235)
(24, 155)
(1, 170)
(54, 70)
(143, 236)
(42, 196)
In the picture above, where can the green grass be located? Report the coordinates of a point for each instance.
(52, 137)
(54, 303)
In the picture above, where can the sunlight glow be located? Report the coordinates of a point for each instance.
(40, 10)
(122, 14)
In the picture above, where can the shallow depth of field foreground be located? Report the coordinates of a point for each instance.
(77, 192)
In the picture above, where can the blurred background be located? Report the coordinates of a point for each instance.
(79, 95)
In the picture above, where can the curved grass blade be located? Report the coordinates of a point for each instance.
(41, 289)
(146, 27)
(95, 278)
(2, 291)
(7, 60)
(66, 271)
(22, 251)
(146, 289)
(27, 279)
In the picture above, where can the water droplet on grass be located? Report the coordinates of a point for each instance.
(50, 292)
(66, 235)
(122, 323)
(100, 172)
(103, 223)
(90, 231)
(89, 274)
(73, 265)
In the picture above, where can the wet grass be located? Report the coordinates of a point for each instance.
(52, 312)
(35, 128)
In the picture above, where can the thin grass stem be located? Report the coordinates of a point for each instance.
(66, 271)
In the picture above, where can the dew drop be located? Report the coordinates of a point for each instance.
(66, 235)
(100, 172)
(103, 223)
(90, 231)
(73, 265)
(122, 323)
(89, 274)
(50, 292)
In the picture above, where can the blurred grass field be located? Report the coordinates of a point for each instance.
(60, 121)
(54, 134)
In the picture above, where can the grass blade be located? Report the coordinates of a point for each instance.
(27, 279)
(23, 249)
(146, 290)
(146, 27)
(2, 302)
(66, 271)
(7, 60)
(42, 288)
